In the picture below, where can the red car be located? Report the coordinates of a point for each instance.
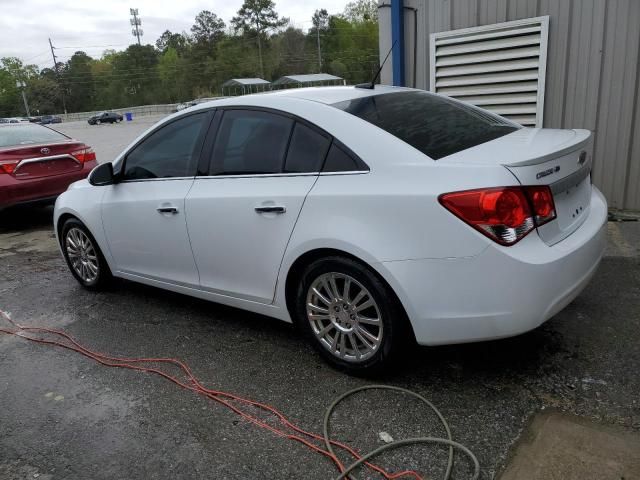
(37, 163)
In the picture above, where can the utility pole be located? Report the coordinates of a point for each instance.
(136, 22)
(319, 55)
(55, 66)
(21, 85)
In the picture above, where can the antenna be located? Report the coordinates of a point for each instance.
(371, 85)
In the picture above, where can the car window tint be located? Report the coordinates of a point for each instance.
(28, 134)
(435, 125)
(168, 152)
(338, 160)
(250, 142)
(307, 150)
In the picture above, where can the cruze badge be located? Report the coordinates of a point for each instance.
(547, 172)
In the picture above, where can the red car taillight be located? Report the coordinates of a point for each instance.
(504, 214)
(84, 155)
(541, 200)
(8, 166)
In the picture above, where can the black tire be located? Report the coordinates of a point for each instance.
(103, 278)
(395, 333)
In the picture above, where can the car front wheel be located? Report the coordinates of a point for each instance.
(350, 315)
(83, 256)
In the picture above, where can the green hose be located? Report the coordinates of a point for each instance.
(399, 443)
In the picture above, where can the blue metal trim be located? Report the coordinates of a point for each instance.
(397, 40)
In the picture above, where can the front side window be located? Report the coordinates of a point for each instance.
(168, 152)
(250, 142)
(433, 124)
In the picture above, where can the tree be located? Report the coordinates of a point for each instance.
(361, 11)
(77, 78)
(208, 29)
(13, 70)
(320, 21)
(168, 39)
(258, 17)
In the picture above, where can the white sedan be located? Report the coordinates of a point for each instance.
(371, 218)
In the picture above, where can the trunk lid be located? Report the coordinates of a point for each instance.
(42, 160)
(553, 157)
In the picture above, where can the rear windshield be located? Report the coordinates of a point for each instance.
(27, 134)
(433, 124)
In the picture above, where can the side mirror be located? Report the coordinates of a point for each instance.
(102, 175)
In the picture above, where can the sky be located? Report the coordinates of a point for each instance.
(95, 25)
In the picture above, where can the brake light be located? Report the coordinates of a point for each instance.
(504, 214)
(84, 155)
(541, 200)
(8, 166)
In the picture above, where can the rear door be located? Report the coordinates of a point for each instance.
(241, 215)
(144, 214)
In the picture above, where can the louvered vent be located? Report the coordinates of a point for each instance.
(498, 67)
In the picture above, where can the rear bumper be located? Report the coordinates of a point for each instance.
(14, 191)
(503, 291)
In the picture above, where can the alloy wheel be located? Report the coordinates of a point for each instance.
(82, 255)
(344, 317)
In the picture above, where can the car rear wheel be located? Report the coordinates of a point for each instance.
(350, 315)
(83, 256)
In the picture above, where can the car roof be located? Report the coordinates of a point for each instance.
(329, 95)
(325, 95)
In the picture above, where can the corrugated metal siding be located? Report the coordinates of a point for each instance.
(592, 80)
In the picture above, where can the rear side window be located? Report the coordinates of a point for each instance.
(27, 134)
(307, 150)
(433, 124)
(167, 152)
(250, 142)
(339, 160)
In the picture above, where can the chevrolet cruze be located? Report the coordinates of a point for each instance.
(371, 218)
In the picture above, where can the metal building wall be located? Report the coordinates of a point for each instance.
(593, 72)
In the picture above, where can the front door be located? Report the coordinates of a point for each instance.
(144, 214)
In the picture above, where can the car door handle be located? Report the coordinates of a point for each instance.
(271, 209)
(172, 210)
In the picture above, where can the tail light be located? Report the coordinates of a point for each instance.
(84, 155)
(504, 214)
(8, 166)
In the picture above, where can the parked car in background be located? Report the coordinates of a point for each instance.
(37, 163)
(369, 217)
(105, 117)
(15, 120)
(47, 119)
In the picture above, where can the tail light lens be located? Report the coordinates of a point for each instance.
(541, 200)
(84, 155)
(8, 166)
(504, 214)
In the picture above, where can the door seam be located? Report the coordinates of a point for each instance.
(286, 247)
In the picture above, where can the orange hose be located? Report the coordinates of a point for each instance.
(302, 436)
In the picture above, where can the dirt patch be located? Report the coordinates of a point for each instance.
(559, 446)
